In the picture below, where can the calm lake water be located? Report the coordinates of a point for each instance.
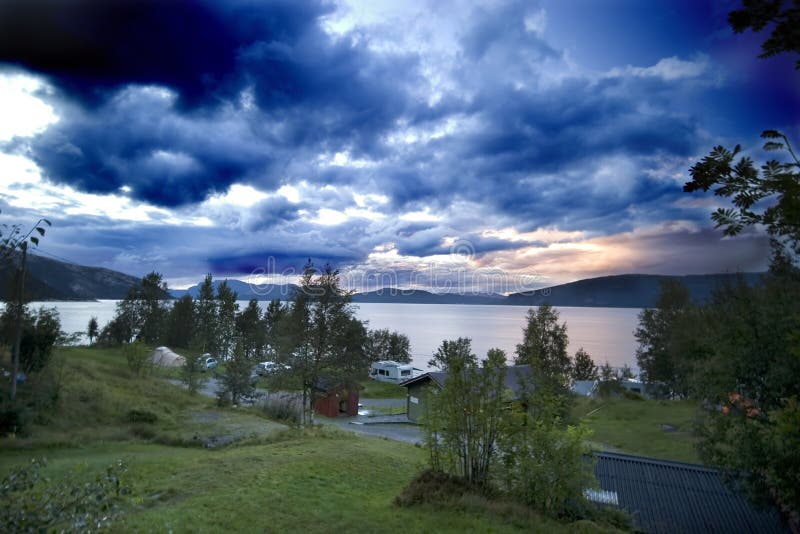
(605, 333)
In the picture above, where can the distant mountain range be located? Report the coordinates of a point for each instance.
(419, 296)
(50, 279)
(625, 290)
(244, 291)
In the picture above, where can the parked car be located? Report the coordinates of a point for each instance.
(208, 362)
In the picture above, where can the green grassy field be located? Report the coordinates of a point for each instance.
(374, 389)
(661, 429)
(259, 476)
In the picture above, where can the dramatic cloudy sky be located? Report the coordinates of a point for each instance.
(513, 143)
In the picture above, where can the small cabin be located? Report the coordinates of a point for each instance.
(391, 371)
(334, 398)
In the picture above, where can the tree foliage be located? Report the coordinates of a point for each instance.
(181, 323)
(464, 419)
(784, 20)
(225, 327)
(92, 329)
(747, 188)
(383, 344)
(663, 360)
(544, 347)
(477, 430)
(584, 367)
(33, 503)
(320, 335)
(206, 318)
(41, 331)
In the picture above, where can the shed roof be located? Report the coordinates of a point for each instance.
(665, 496)
(511, 381)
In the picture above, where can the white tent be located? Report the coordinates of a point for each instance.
(165, 357)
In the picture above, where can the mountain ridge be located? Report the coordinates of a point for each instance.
(49, 279)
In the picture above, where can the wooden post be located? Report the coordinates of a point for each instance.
(18, 320)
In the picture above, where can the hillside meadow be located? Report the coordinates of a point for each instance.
(192, 466)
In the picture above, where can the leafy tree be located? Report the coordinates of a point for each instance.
(752, 361)
(138, 357)
(544, 347)
(273, 328)
(784, 20)
(226, 319)
(319, 331)
(464, 420)
(141, 315)
(236, 382)
(92, 329)
(386, 345)
(13, 242)
(658, 357)
(626, 373)
(747, 189)
(250, 331)
(584, 367)
(609, 381)
(545, 464)
(151, 310)
(192, 373)
(41, 331)
(459, 350)
(180, 330)
(751, 373)
(206, 314)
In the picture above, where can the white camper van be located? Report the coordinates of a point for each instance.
(391, 371)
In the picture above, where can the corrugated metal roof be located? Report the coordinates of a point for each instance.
(511, 381)
(668, 497)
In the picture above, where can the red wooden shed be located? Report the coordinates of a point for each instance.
(334, 398)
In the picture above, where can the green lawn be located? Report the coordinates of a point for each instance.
(374, 389)
(660, 429)
(270, 478)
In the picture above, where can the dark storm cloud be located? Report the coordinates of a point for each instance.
(292, 90)
(88, 48)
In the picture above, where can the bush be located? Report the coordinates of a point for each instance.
(32, 503)
(13, 419)
(141, 416)
(138, 357)
(434, 487)
(282, 408)
(545, 466)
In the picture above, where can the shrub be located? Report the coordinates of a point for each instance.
(13, 418)
(33, 503)
(141, 416)
(545, 467)
(282, 408)
(435, 487)
(138, 357)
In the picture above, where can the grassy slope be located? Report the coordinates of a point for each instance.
(634, 426)
(374, 389)
(282, 480)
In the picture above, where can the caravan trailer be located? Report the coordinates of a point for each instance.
(391, 371)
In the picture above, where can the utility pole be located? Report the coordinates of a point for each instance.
(18, 320)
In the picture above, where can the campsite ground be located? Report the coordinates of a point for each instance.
(195, 467)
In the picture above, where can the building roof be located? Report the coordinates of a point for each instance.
(511, 381)
(665, 496)
(328, 384)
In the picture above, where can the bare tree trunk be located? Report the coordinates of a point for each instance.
(18, 321)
